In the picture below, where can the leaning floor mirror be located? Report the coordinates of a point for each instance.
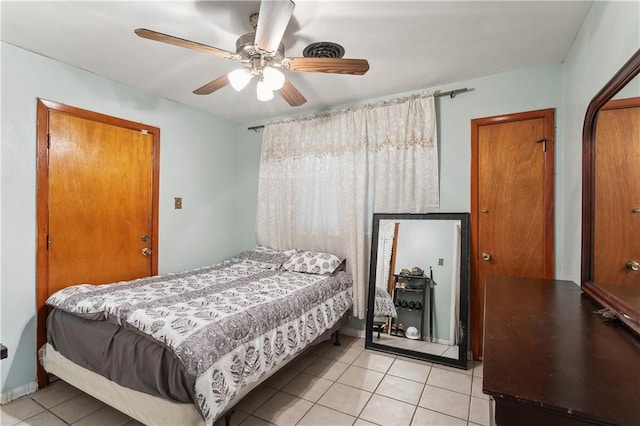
(418, 300)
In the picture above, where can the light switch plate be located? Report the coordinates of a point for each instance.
(177, 203)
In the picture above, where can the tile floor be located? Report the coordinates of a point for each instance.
(326, 385)
(417, 345)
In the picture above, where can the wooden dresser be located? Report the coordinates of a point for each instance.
(549, 360)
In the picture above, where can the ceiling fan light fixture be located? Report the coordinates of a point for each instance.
(273, 78)
(239, 78)
(264, 92)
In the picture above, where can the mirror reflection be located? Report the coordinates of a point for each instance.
(611, 211)
(617, 190)
(418, 289)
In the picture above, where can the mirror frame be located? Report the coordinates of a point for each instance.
(461, 361)
(624, 312)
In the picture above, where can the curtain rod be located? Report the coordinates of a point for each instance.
(451, 93)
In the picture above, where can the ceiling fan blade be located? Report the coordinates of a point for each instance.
(212, 86)
(329, 65)
(291, 94)
(272, 22)
(176, 41)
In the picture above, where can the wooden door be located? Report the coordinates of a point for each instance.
(511, 203)
(617, 193)
(97, 201)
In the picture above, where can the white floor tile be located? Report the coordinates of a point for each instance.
(400, 389)
(479, 411)
(321, 348)
(307, 387)
(344, 354)
(319, 415)
(361, 378)
(46, 418)
(362, 422)
(409, 369)
(21, 409)
(281, 378)
(326, 368)
(445, 401)
(283, 409)
(450, 380)
(254, 421)
(76, 408)
(351, 341)
(345, 399)
(468, 371)
(255, 399)
(476, 388)
(55, 394)
(374, 361)
(388, 412)
(105, 416)
(302, 362)
(236, 418)
(452, 352)
(477, 369)
(424, 417)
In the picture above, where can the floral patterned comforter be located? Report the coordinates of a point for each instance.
(229, 324)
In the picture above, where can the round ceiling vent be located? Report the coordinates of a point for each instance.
(323, 49)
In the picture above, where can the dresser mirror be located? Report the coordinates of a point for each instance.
(418, 300)
(611, 196)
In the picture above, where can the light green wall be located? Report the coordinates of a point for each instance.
(249, 145)
(609, 36)
(199, 161)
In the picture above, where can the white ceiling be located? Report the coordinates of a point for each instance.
(410, 45)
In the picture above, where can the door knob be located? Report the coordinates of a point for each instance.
(633, 265)
(146, 251)
(486, 256)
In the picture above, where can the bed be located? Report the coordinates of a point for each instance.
(384, 310)
(184, 348)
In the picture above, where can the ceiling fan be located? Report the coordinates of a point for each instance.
(262, 53)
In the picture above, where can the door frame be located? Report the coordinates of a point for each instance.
(477, 322)
(44, 107)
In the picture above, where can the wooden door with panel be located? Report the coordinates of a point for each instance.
(100, 202)
(97, 202)
(512, 203)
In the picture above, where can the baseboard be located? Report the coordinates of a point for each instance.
(18, 392)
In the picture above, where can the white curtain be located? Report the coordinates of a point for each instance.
(386, 232)
(323, 177)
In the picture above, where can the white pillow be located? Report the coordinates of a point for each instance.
(268, 256)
